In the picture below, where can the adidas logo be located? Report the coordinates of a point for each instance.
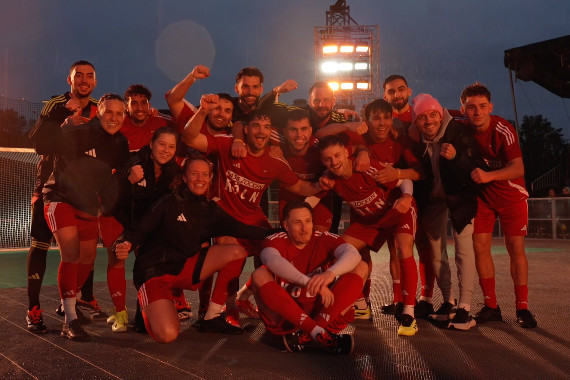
(181, 218)
(142, 183)
(69, 293)
(524, 228)
(35, 276)
(406, 226)
(116, 294)
(91, 152)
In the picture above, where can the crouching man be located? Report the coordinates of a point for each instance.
(295, 289)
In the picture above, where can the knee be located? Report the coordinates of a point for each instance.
(165, 333)
(238, 252)
(362, 269)
(260, 277)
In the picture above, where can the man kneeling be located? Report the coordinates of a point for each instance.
(295, 289)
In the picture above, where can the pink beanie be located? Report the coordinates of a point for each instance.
(424, 103)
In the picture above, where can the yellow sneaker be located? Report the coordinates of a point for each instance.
(111, 318)
(363, 313)
(121, 321)
(408, 326)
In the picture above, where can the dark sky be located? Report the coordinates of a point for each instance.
(441, 46)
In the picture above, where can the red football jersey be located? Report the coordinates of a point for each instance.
(140, 136)
(499, 144)
(242, 181)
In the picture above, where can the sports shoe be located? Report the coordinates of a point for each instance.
(184, 310)
(423, 309)
(363, 313)
(338, 344)
(524, 318)
(297, 341)
(35, 321)
(80, 316)
(489, 314)
(120, 321)
(388, 308)
(247, 308)
(219, 325)
(93, 309)
(408, 326)
(445, 312)
(74, 331)
(462, 320)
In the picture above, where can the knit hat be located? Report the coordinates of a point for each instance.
(424, 103)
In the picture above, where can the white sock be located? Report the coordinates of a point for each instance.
(69, 309)
(361, 303)
(316, 331)
(244, 293)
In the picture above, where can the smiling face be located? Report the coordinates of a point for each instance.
(163, 148)
(111, 114)
(321, 101)
(258, 131)
(138, 108)
(397, 93)
(299, 226)
(219, 118)
(477, 109)
(298, 135)
(429, 124)
(335, 159)
(249, 90)
(379, 125)
(82, 80)
(197, 177)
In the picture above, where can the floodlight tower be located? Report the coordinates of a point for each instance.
(347, 56)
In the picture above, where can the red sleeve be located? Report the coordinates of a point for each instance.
(286, 176)
(185, 115)
(220, 143)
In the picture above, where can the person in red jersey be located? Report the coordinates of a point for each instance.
(296, 290)
(380, 211)
(140, 124)
(171, 254)
(397, 93)
(503, 195)
(242, 181)
(302, 154)
(76, 106)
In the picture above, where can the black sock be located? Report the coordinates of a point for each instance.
(87, 289)
(36, 266)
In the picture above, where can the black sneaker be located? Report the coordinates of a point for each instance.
(398, 310)
(93, 309)
(462, 320)
(80, 316)
(297, 341)
(388, 308)
(526, 319)
(488, 314)
(74, 331)
(338, 344)
(219, 325)
(445, 312)
(35, 321)
(423, 309)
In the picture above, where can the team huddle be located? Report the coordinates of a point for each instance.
(187, 195)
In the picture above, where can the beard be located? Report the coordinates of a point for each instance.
(400, 106)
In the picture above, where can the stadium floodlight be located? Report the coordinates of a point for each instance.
(346, 86)
(347, 48)
(360, 66)
(329, 67)
(330, 49)
(345, 66)
(333, 85)
(361, 49)
(362, 85)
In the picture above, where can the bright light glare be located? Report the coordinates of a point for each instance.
(362, 49)
(360, 66)
(362, 85)
(330, 49)
(329, 67)
(333, 85)
(345, 66)
(347, 86)
(346, 49)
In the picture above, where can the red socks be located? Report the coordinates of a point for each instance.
(346, 291)
(409, 278)
(227, 281)
(117, 287)
(67, 279)
(521, 296)
(488, 288)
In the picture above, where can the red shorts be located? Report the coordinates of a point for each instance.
(391, 223)
(513, 218)
(109, 229)
(59, 215)
(311, 305)
(160, 287)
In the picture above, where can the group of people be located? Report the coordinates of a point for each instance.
(187, 196)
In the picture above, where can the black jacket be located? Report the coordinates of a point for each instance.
(175, 229)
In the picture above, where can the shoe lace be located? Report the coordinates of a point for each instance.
(35, 314)
(326, 339)
(94, 304)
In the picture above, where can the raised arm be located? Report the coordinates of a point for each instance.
(175, 97)
(191, 134)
